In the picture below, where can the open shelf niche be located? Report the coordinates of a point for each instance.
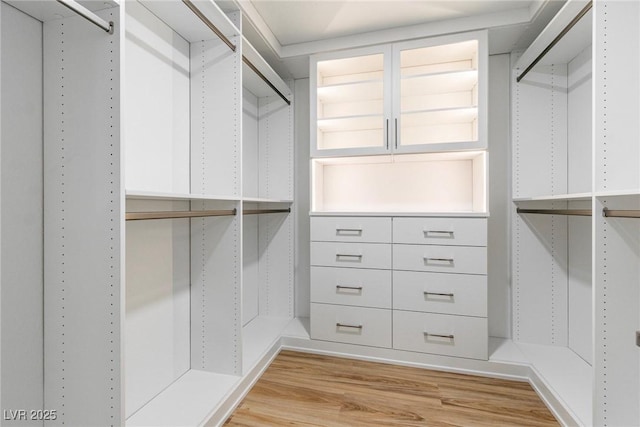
(412, 183)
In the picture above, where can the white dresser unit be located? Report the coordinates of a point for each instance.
(408, 283)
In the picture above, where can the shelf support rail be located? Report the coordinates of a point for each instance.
(266, 80)
(615, 213)
(209, 24)
(570, 212)
(564, 31)
(135, 216)
(265, 211)
(88, 15)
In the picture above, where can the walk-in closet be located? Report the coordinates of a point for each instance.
(197, 196)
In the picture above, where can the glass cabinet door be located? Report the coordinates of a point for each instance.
(438, 88)
(352, 105)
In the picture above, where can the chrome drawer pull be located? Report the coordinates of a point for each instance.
(438, 294)
(355, 288)
(349, 231)
(344, 325)
(427, 259)
(348, 256)
(448, 233)
(427, 334)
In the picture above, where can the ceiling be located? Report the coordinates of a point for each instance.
(300, 21)
(286, 32)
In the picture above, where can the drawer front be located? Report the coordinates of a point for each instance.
(352, 325)
(351, 286)
(352, 255)
(464, 294)
(441, 231)
(440, 259)
(444, 334)
(351, 229)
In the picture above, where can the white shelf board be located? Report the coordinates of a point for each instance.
(574, 42)
(265, 200)
(151, 195)
(184, 22)
(298, 328)
(351, 123)
(349, 92)
(619, 193)
(439, 116)
(189, 401)
(555, 198)
(430, 84)
(505, 350)
(405, 214)
(255, 84)
(258, 337)
(568, 375)
(50, 10)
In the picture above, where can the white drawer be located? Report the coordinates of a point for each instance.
(464, 294)
(351, 286)
(441, 231)
(354, 255)
(352, 325)
(351, 229)
(440, 259)
(444, 334)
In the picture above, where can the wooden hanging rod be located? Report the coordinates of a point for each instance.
(136, 216)
(555, 41)
(263, 77)
(88, 15)
(209, 24)
(570, 212)
(614, 213)
(265, 211)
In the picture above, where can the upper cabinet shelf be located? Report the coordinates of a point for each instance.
(418, 96)
(185, 22)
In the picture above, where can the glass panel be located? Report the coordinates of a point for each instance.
(439, 94)
(350, 108)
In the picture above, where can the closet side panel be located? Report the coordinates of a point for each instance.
(302, 204)
(83, 222)
(250, 144)
(276, 148)
(499, 202)
(617, 96)
(579, 129)
(216, 275)
(158, 304)
(539, 132)
(156, 125)
(21, 213)
(216, 99)
(276, 264)
(539, 270)
(250, 269)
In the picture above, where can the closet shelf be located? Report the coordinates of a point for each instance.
(189, 401)
(431, 84)
(403, 214)
(620, 193)
(152, 195)
(566, 35)
(351, 123)
(185, 22)
(51, 10)
(370, 90)
(439, 116)
(265, 200)
(258, 76)
(555, 198)
(465, 114)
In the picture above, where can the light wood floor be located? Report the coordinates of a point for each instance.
(314, 390)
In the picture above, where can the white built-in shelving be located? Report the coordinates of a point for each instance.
(143, 319)
(576, 284)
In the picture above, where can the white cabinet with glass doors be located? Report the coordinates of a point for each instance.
(414, 96)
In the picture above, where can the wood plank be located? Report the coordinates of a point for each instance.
(316, 390)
